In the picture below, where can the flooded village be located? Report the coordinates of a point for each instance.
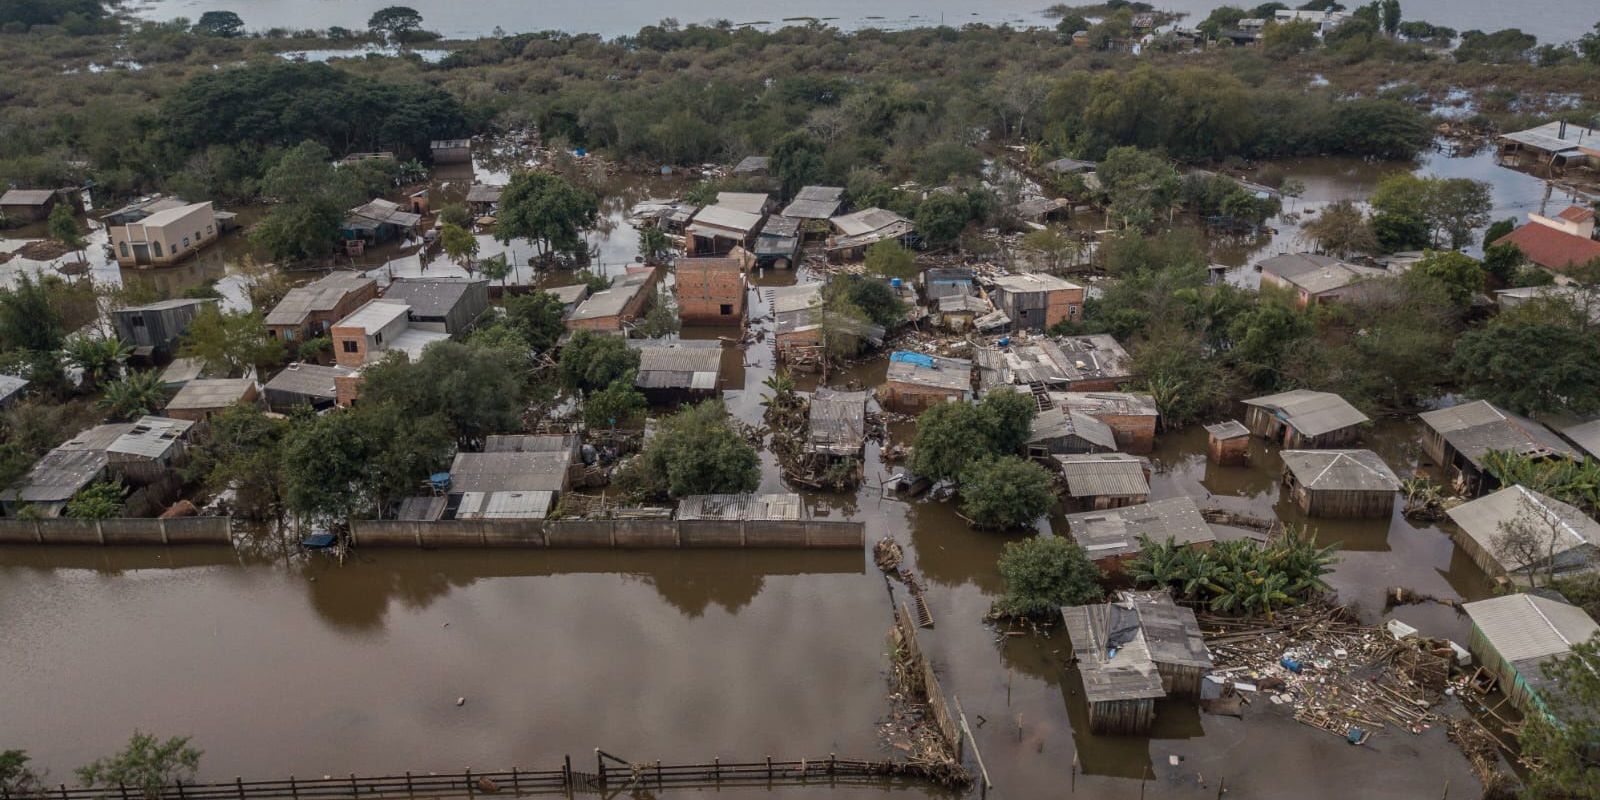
(494, 458)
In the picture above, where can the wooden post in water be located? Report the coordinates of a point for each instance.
(769, 771)
(122, 788)
(661, 783)
(355, 790)
(1222, 786)
(409, 791)
(515, 789)
(238, 783)
(179, 783)
(469, 781)
(601, 763)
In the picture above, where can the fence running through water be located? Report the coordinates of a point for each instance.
(611, 773)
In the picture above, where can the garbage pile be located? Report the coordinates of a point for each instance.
(1336, 674)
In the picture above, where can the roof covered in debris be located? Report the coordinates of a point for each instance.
(1108, 404)
(1116, 532)
(1058, 423)
(1112, 653)
(1341, 470)
(933, 371)
(837, 422)
(1311, 413)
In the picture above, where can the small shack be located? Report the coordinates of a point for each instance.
(1340, 483)
(918, 381)
(752, 165)
(1100, 481)
(1315, 278)
(836, 423)
(1301, 418)
(484, 199)
(1140, 648)
(1132, 416)
(1552, 537)
(610, 310)
(778, 243)
(522, 485)
(717, 229)
(1228, 443)
(30, 205)
(1037, 301)
(310, 310)
(199, 399)
(153, 330)
(1112, 536)
(451, 151)
(815, 204)
(1058, 431)
(148, 452)
(1516, 636)
(854, 233)
(1458, 438)
(378, 221)
(305, 385)
(677, 370)
(441, 305)
(800, 323)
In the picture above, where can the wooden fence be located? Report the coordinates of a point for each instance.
(618, 533)
(947, 722)
(610, 774)
(117, 531)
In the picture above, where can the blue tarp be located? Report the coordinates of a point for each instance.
(918, 359)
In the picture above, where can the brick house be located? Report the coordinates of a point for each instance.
(712, 289)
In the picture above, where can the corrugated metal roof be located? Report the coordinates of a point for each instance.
(1473, 429)
(1170, 630)
(151, 437)
(1311, 413)
(309, 380)
(611, 302)
(837, 422)
(505, 505)
(729, 219)
(678, 364)
(57, 476)
(866, 221)
(1521, 627)
(1227, 429)
(1056, 423)
(1111, 404)
(946, 373)
(1573, 536)
(1113, 656)
(1115, 532)
(10, 385)
(509, 472)
(530, 443)
(422, 509)
(1313, 273)
(811, 209)
(1341, 470)
(206, 393)
(26, 197)
(748, 202)
(751, 164)
(747, 507)
(1104, 475)
(432, 297)
(1586, 435)
(1027, 282)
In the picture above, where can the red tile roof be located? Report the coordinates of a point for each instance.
(1551, 248)
(1576, 214)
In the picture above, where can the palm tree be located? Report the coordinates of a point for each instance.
(99, 359)
(1157, 563)
(136, 394)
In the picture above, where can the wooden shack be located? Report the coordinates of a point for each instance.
(1112, 536)
(1301, 418)
(1228, 443)
(1140, 648)
(1515, 637)
(1458, 438)
(1132, 416)
(1100, 481)
(1569, 540)
(1340, 483)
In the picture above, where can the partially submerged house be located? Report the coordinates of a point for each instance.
(1559, 537)
(1315, 278)
(1036, 301)
(165, 237)
(836, 423)
(1558, 144)
(716, 229)
(376, 328)
(677, 370)
(854, 233)
(154, 329)
(1039, 210)
(203, 398)
(142, 208)
(752, 165)
(815, 204)
(570, 296)
(305, 385)
(32, 205)
(800, 323)
(1111, 536)
(778, 243)
(1228, 443)
(1058, 431)
(378, 221)
(451, 151)
(711, 289)
(1460, 437)
(1132, 416)
(1131, 652)
(1516, 636)
(917, 381)
(1093, 363)
(1340, 483)
(484, 199)
(614, 308)
(310, 310)
(1100, 481)
(441, 305)
(1303, 419)
(1556, 243)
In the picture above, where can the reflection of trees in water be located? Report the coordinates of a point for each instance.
(356, 596)
(693, 590)
(949, 551)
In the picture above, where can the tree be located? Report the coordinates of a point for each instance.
(1005, 492)
(1458, 206)
(1044, 573)
(1501, 262)
(99, 500)
(1139, 186)
(1181, 377)
(134, 395)
(695, 451)
(1560, 737)
(476, 390)
(536, 316)
(942, 217)
(1341, 230)
(619, 404)
(17, 779)
(496, 267)
(873, 297)
(1262, 336)
(1286, 39)
(1391, 16)
(1528, 540)
(950, 435)
(99, 359)
(1460, 274)
(660, 316)
(146, 764)
(313, 197)
(459, 244)
(243, 452)
(1447, 208)
(543, 208)
(1528, 366)
(63, 226)
(591, 361)
(455, 214)
(360, 459)
(222, 24)
(890, 259)
(1056, 250)
(231, 342)
(1509, 46)
(655, 245)
(395, 22)
(29, 316)
(796, 160)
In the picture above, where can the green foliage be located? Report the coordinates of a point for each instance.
(1501, 261)
(313, 197)
(1509, 46)
(1005, 492)
(455, 214)
(1262, 337)
(873, 297)
(591, 361)
(134, 395)
(1044, 573)
(617, 405)
(1562, 739)
(1418, 211)
(796, 161)
(17, 779)
(476, 390)
(547, 210)
(536, 317)
(243, 452)
(655, 245)
(1575, 482)
(99, 359)
(695, 451)
(1287, 39)
(63, 227)
(1461, 275)
(458, 243)
(1390, 351)
(1241, 576)
(1186, 385)
(147, 764)
(660, 316)
(1527, 366)
(395, 22)
(1140, 186)
(950, 435)
(230, 342)
(99, 500)
(1341, 230)
(890, 259)
(360, 460)
(224, 24)
(30, 317)
(941, 218)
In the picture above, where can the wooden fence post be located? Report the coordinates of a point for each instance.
(409, 790)
(238, 783)
(600, 764)
(122, 789)
(514, 788)
(179, 782)
(294, 790)
(355, 790)
(566, 772)
(469, 782)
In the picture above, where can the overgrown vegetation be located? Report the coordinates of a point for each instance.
(1242, 576)
(1044, 573)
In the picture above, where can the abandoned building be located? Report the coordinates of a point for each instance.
(35, 205)
(836, 423)
(1340, 483)
(378, 221)
(1100, 481)
(499, 485)
(815, 205)
(614, 308)
(1555, 537)
(1516, 636)
(1131, 416)
(678, 370)
(144, 454)
(1058, 431)
(1460, 437)
(1228, 443)
(201, 399)
(153, 330)
(304, 385)
(917, 381)
(570, 296)
(854, 233)
(451, 151)
(166, 236)
(1035, 301)
(483, 199)
(1137, 649)
(717, 229)
(1094, 363)
(711, 289)
(1314, 278)
(784, 507)
(310, 310)
(1111, 536)
(800, 323)
(1557, 145)
(778, 243)
(1302, 419)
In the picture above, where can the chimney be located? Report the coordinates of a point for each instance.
(1563, 129)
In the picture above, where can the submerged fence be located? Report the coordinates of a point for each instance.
(606, 533)
(116, 530)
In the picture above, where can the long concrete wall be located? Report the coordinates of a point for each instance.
(116, 531)
(620, 533)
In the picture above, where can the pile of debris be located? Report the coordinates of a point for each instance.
(1425, 501)
(1336, 674)
(911, 729)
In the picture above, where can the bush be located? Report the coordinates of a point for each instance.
(1005, 492)
(695, 451)
(1043, 573)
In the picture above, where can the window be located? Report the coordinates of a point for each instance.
(727, 310)
(288, 335)
(124, 246)
(378, 337)
(209, 230)
(185, 243)
(156, 247)
(197, 237)
(349, 345)
(1072, 312)
(137, 320)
